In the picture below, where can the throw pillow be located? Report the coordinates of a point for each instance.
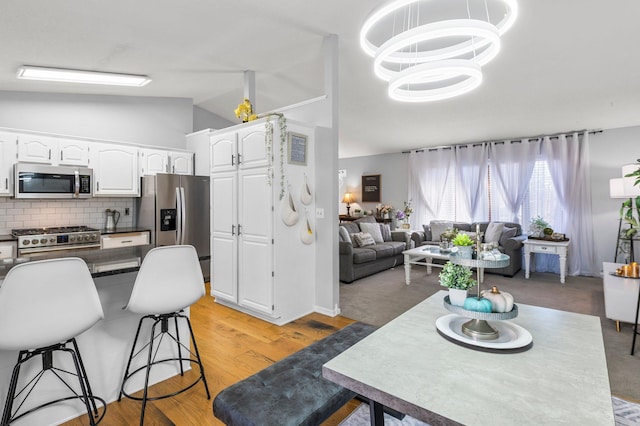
(438, 227)
(372, 229)
(493, 232)
(506, 234)
(364, 239)
(427, 232)
(385, 229)
(354, 242)
(344, 234)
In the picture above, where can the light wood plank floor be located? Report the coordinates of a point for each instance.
(233, 346)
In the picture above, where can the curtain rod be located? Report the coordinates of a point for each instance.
(528, 138)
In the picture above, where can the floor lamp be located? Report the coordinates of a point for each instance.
(624, 188)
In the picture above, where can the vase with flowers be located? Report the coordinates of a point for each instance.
(408, 210)
(385, 211)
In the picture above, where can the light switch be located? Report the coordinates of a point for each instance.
(320, 213)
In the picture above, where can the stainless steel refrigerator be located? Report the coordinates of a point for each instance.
(176, 209)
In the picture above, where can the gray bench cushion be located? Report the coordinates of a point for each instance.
(291, 391)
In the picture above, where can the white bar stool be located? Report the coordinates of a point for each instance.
(169, 281)
(43, 306)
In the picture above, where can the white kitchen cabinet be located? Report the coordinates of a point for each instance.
(7, 249)
(7, 158)
(241, 149)
(124, 239)
(52, 150)
(153, 161)
(259, 265)
(115, 170)
(181, 163)
(200, 144)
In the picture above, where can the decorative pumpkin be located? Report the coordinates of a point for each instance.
(501, 301)
(547, 231)
(478, 304)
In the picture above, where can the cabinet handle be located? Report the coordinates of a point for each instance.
(49, 153)
(239, 159)
(61, 155)
(233, 230)
(233, 160)
(6, 183)
(239, 227)
(126, 241)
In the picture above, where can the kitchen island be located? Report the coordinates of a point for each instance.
(104, 347)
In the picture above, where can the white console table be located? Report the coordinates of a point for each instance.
(559, 248)
(620, 295)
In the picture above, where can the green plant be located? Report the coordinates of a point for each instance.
(462, 240)
(449, 234)
(456, 276)
(630, 209)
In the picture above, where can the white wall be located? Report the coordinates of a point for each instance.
(203, 119)
(143, 120)
(609, 151)
(393, 171)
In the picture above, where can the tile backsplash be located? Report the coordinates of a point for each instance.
(17, 214)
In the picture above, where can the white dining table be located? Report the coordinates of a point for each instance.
(560, 377)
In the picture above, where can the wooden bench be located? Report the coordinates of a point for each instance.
(292, 391)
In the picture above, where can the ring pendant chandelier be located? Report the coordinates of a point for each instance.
(440, 58)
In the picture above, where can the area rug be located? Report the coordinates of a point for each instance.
(626, 414)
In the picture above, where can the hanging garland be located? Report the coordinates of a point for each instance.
(268, 127)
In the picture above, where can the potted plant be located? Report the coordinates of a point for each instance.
(464, 244)
(627, 213)
(458, 279)
(537, 226)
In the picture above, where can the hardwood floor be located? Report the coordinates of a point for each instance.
(233, 346)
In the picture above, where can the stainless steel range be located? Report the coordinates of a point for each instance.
(36, 240)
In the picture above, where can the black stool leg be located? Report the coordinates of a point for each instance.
(83, 385)
(146, 378)
(195, 349)
(133, 349)
(175, 321)
(86, 378)
(635, 324)
(8, 406)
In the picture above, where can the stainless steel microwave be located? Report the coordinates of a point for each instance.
(43, 181)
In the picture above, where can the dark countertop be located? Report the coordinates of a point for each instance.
(100, 262)
(7, 237)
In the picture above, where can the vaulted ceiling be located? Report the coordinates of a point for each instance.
(565, 65)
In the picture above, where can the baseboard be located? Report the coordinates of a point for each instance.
(328, 312)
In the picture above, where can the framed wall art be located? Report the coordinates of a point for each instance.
(371, 188)
(297, 152)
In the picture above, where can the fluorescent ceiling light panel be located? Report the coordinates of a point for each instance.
(80, 76)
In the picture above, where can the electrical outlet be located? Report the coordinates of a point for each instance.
(342, 173)
(126, 211)
(320, 213)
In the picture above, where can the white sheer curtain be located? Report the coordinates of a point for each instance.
(567, 158)
(429, 172)
(512, 164)
(471, 168)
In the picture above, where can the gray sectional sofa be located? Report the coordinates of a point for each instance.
(357, 262)
(510, 240)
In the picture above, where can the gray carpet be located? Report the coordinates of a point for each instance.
(381, 297)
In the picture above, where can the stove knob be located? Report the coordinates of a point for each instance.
(52, 240)
(94, 237)
(25, 242)
(72, 238)
(86, 238)
(43, 241)
(34, 241)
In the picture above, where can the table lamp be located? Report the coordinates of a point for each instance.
(348, 198)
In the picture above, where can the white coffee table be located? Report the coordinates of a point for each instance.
(422, 256)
